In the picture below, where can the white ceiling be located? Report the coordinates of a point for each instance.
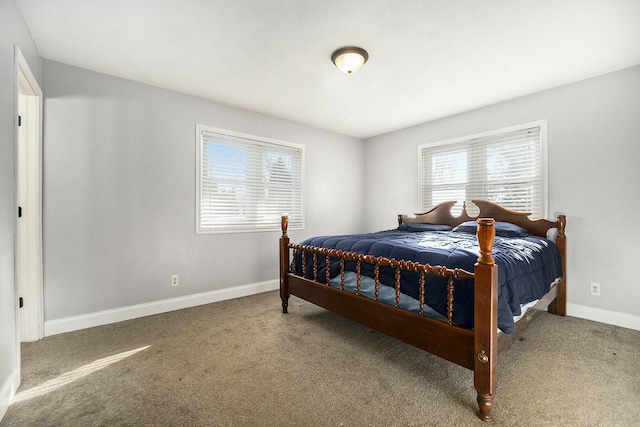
(428, 58)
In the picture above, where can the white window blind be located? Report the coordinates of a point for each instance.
(504, 168)
(248, 184)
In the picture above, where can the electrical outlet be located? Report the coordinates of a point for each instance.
(595, 289)
(175, 280)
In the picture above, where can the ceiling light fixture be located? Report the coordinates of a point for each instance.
(349, 59)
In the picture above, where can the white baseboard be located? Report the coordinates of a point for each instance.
(74, 323)
(8, 390)
(604, 316)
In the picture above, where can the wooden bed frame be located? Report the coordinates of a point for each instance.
(475, 349)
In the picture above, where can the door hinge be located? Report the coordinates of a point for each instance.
(21, 302)
(19, 211)
(19, 121)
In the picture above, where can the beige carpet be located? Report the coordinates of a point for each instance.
(244, 363)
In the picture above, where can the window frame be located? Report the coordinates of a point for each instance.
(200, 128)
(544, 152)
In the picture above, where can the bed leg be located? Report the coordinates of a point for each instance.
(284, 295)
(559, 305)
(284, 292)
(485, 320)
(284, 264)
(485, 403)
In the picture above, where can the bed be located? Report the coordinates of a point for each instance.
(443, 283)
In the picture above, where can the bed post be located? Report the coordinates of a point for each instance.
(559, 305)
(485, 320)
(284, 264)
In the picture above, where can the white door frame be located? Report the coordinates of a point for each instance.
(28, 170)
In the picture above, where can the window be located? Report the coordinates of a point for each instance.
(507, 166)
(246, 183)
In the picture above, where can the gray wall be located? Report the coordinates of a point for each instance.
(13, 32)
(593, 176)
(120, 185)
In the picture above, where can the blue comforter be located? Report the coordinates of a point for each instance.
(526, 267)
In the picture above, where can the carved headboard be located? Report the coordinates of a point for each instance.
(441, 214)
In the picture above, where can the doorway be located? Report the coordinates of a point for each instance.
(28, 251)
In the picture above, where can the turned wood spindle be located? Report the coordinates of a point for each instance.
(485, 403)
(358, 277)
(377, 280)
(486, 235)
(421, 292)
(293, 264)
(328, 268)
(450, 300)
(284, 225)
(562, 223)
(315, 266)
(304, 262)
(398, 287)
